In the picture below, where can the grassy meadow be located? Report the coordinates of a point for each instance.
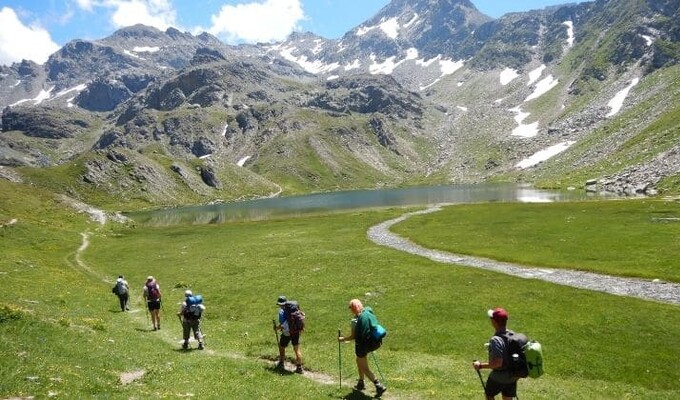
(64, 336)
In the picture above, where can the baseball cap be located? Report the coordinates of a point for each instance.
(498, 314)
(281, 300)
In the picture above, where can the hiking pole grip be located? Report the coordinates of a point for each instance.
(479, 373)
(339, 358)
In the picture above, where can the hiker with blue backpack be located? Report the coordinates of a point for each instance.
(152, 296)
(190, 314)
(366, 340)
(511, 357)
(291, 324)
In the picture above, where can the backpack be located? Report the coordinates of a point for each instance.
(294, 316)
(377, 333)
(153, 294)
(120, 288)
(195, 307)
(523, 357)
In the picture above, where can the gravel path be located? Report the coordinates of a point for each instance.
(649, 290)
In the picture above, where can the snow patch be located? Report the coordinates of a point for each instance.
(314, 67)
(535, 74)
(243, 161)
(617, 102)
(544, 155)
(543, 87)
(508, 75)
(570, 33)
(42, 96)
(133, 55)
(356, 64)
(648, 39)
(525, 131)
(144, 49)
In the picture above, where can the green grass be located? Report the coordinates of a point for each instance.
(629, 238)
(63, 334)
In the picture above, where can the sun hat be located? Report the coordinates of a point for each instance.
(187, 293)
(498, 314)
(281, 300)
(149, 278)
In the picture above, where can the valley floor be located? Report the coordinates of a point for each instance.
(650, 290)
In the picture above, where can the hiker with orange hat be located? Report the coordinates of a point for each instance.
(500, 380)
(361, 334)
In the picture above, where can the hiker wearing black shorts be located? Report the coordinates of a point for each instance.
(287, 337)
(122, 290)
(361, 332)
(500, 380)
(152, 296)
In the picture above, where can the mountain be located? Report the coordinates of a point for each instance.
(427, 91)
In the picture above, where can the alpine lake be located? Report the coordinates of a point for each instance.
(329, 202)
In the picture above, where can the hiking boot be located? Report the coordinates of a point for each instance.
(298, 369)
(200, 346)
(279, 365)
(379, 389)
(360, 385)
(185, 346)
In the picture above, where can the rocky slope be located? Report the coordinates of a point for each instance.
(423, 92)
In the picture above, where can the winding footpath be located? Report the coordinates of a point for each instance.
(649, 290)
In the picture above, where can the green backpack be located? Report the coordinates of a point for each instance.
(534, 356)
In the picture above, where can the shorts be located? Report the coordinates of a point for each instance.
(153, 305)
(494, 387)
(295, 339)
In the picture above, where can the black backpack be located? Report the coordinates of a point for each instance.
(294, 316)
(514, 359)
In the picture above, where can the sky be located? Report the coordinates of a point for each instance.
(34, 29)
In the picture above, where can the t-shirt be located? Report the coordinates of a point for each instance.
(365, 320)
(284, 323)
(497, 350)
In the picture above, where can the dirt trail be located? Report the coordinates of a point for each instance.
(649, 290)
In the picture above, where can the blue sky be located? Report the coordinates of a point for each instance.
(34, 29)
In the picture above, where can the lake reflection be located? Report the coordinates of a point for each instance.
(263, 209)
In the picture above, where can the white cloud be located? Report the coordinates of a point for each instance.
(85, 4)
(271, 20)
(18, 41)
(157, 13)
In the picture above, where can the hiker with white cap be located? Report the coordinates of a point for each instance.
(190, 314)
(152, 296)
(500, 380)
(122, 290)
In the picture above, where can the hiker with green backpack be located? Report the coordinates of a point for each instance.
(511, 357)
(367, 335)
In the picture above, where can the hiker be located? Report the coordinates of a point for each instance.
(152, 296)
(122, 290)
(500, 380)
(363, 345)
(288, 335)
(190, 314)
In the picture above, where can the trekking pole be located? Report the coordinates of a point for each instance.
(339, 358)
(479, 373)
(275, 332)
(375, 360)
